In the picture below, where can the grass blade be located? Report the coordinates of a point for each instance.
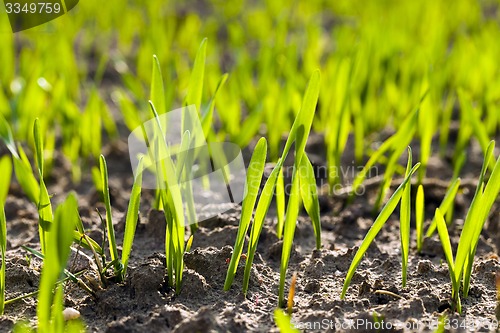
(196, 79)
(258, 221)
(252, 187)
(420, 216)
(132, 217)
(109, 219)
(404, 226)
(58, 248)
(292, 212)
(445, 205)
(6, 171)
(280, 204)
(3, 251)
(157, 94)
(375, 228)
(309, 195)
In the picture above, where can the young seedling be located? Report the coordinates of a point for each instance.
(6, 171)
(484, 197)
(59, 239)
(298, 135)
(420, 216)
(384, 215)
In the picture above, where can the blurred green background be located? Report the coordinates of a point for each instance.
(88, 73)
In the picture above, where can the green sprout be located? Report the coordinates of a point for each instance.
(384, 215)
(6, 170)
(484, 197)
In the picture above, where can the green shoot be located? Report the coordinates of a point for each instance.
(384, 215)
(6, 170)
(252, 186)
(404, 226)
(45, 216)
(448, 253)
(446, 204)
(109, 220)
(59, 240)
(420, 216)
(283, 321)
(132, 217)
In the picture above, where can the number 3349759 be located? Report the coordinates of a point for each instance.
(33, 8)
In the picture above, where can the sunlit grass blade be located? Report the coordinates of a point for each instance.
(207, 115)
(252, 187)
(132, 217)
(3, 252)
(405, 214)
(45, 216)
(157, 94)
(258, 221)
(6, 171)
(472, 218)
(280, 204)
(195, 89)
(304, 118)
(309, 195)
(488, 197)
(445, 242)
(420, 216)
(384, 215)
(292, 213)
(58, 249)
(109, 218)
(445, 205)
(283, 322)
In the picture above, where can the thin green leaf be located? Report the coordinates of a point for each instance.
(405, 213)
(445, 205)
(196, 79)
(132, 217)
(420, 216)
(252, 187)
(384, 215)
(309, 195)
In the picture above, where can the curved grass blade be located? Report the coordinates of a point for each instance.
(445, 205)
(283, 322)
(132, 217)
(420, 216)
(58, 248)
(157, 94)
(280, 204)
(208, 114)
(384, 215)
(309, 195)
(292, 213)
(195, 89)
(258, 221)
(445, 242)
(109, 219)
(252, 187)
(6, 171)
(404, 226)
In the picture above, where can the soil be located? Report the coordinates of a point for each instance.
(144, 303)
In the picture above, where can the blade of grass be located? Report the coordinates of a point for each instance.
(132, 217)
(58, 248)
(258, 221)
(405, 213)
(109, 219)
(420, 216)
(254, 177)
(384, 215)
(446, 204)
(309, 195)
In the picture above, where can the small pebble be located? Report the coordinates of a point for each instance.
(70, 314)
